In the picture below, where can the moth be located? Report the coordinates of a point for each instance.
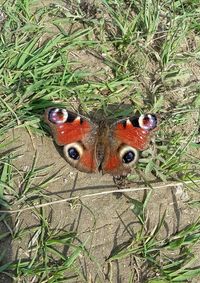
(91, 148)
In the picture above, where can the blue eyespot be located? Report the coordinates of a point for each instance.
(128, 157)
(73, 153)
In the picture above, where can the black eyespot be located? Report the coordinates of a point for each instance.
(128, 157)
(73, 153)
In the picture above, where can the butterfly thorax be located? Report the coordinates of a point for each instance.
(102, 143)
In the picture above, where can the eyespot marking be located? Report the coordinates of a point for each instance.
(73, 152)
(147, 122)
(57, 115)
(128, 155)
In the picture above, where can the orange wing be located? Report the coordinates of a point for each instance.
(128, 136)
(77, 135)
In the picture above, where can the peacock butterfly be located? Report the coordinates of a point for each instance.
(91, 148)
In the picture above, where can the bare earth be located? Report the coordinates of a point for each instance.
(101, 222)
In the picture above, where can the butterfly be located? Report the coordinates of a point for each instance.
(90, 147)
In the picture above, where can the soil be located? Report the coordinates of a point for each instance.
(103, 223)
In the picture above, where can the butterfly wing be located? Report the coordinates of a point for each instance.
(77, 135)
(127, 138)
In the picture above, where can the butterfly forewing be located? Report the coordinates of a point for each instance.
(77, 135)
(127, 137)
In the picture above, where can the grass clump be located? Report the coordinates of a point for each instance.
(156, 259)
(45, 254)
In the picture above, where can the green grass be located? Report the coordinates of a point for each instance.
(165, 260)
(147, 55)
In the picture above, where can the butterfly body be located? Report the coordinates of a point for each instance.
(91, 148)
